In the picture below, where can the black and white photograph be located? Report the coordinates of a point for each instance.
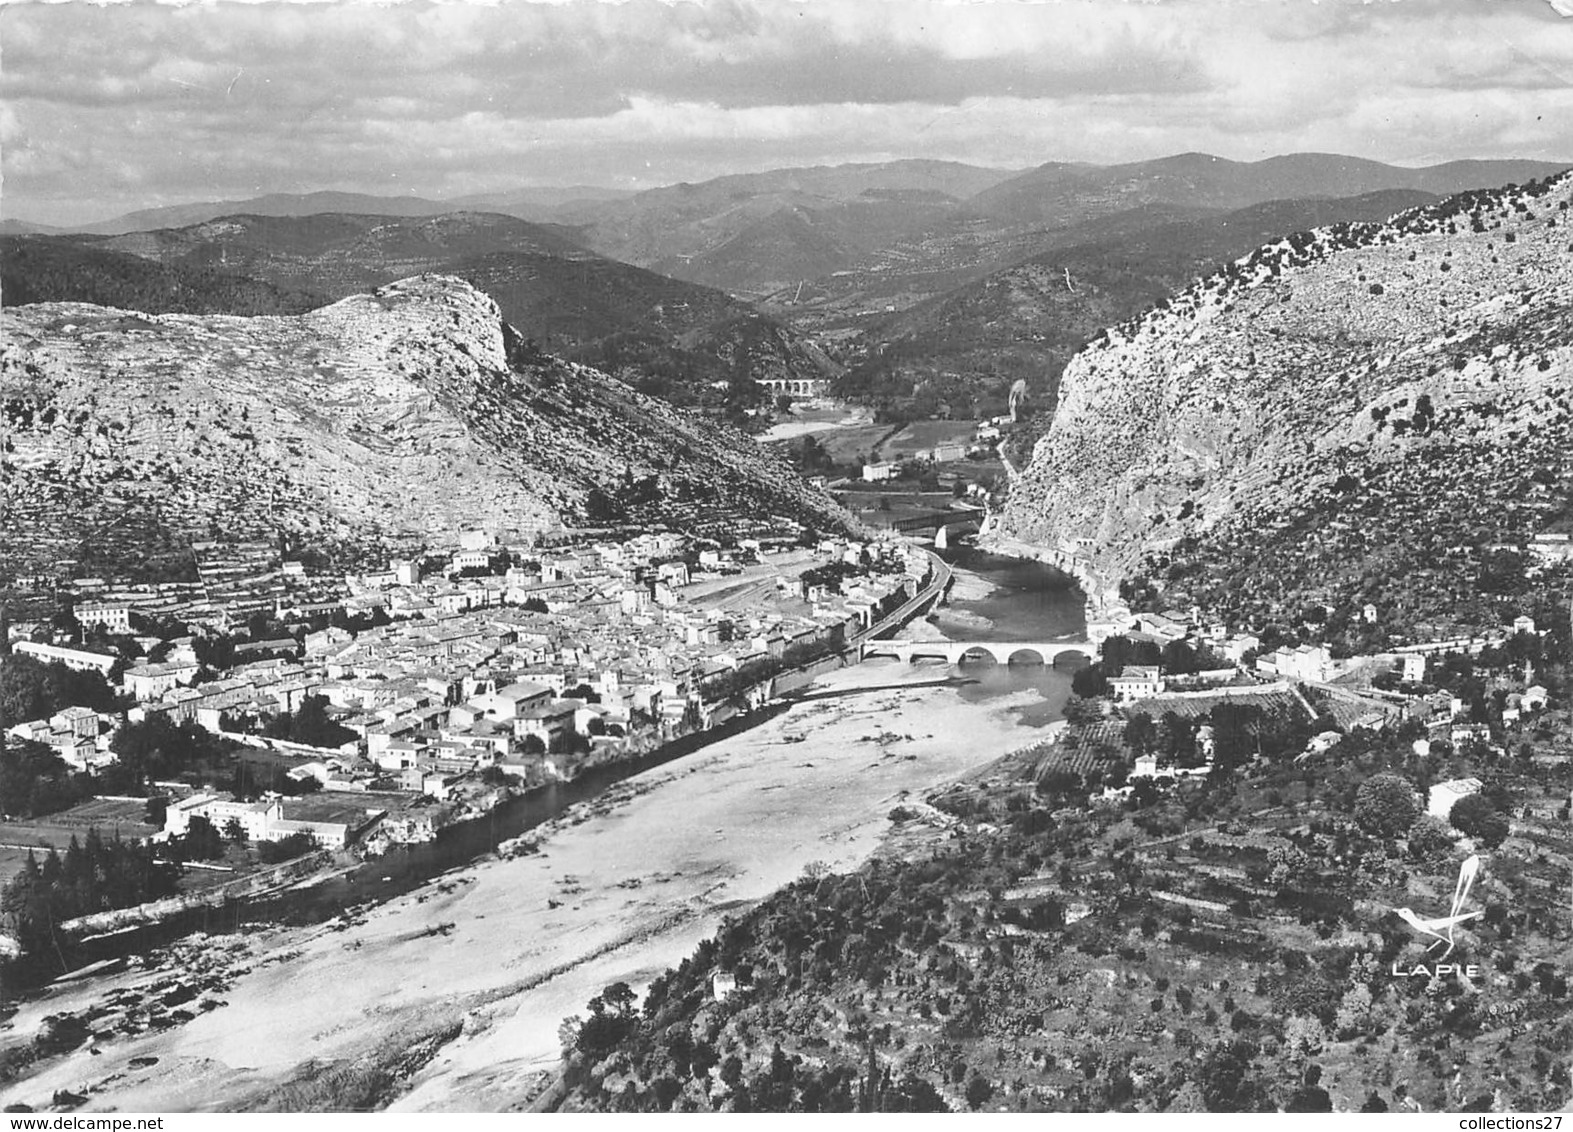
(786, 556)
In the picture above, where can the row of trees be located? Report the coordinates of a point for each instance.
(1176, 658)
(30, 689)
(34, 781)
(158, 748)
(93, 875)
(309, 724)
(1387, 806)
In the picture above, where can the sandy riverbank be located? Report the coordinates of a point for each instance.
(819, 421)
(625, 886)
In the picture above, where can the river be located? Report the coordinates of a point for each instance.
(1012, 599)
(632, 873)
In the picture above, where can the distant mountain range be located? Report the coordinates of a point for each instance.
(760, 233)
(757, 233)
(47, 270)
(965, 347)
(1059, 194)
(935, 282)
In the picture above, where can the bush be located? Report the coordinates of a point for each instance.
(1476, 817)
(1428, 839)
(286, 848)
(1385, 805)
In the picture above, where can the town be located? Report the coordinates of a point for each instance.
(372, 710)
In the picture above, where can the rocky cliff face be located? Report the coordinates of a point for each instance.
(388, 419)
(1337, 408)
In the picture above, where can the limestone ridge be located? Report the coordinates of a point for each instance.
(391, 418)
(1303, 389)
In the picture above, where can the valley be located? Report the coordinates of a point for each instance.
(431, 513)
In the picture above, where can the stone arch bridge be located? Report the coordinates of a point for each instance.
(1002, 652)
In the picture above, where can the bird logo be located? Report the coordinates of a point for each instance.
(1442, 926)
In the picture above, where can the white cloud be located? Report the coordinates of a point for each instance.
(109, 108)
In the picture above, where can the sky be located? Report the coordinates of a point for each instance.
(109, 108)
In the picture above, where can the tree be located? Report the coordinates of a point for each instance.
(235, 833)
(30, 689)
(1476, 817)
(611, 1021)
(34, 780)
(1309, 1098)
(1227, 1078)
(1236, 735)
(287, 848)
(1385, 805)
(1179, 658)
(1354, 1012)
(979, 1090)
(1290, 865)
(1428, 839)
(1090, 682)
(1141, 733)
(202, 840)
(310, 724)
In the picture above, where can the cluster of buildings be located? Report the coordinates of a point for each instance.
(531, 666)
(1357, 691)
(264, 820)
(78, 736)
(944, 452)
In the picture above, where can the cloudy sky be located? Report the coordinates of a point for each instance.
(104, 109)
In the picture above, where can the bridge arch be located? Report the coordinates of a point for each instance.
(1059, 653)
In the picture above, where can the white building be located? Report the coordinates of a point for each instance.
(115, 618)
(262, 821)
(151, 681)
(77, 659)
(1304, 662)
(219, 812)
(1136, 682)
(1235, 648)
(472, 560)
(1445, 794)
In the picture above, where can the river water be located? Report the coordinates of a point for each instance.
(1011, 599)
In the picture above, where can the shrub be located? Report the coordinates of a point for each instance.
(1385, 805)
(1428, 839)
(1476, 817)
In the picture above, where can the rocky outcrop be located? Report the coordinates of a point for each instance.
(1358, 397)
(389, 419)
